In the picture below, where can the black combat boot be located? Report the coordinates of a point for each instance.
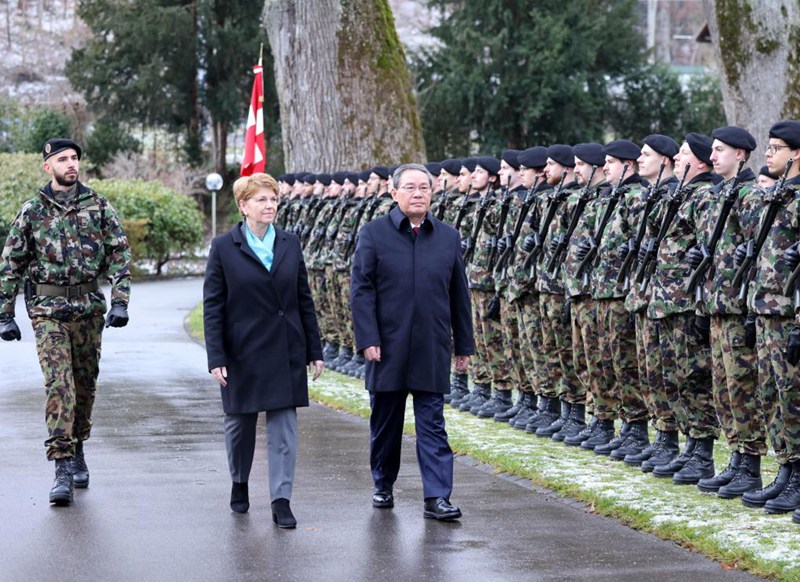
(747, 478)
(61, 492)
(80, 472)
(759, 497)
(601, 435)
(700, 466)
(480, 393)
(351, 367)
(789, 498)
(345, 355)
(498, 403)
(480, 399)
(551, 429)
(587, 433)
(647, 452)
(330, 353)
(575, 423)
(796, 516)
(665, 453)
(724, 477)
(671, 467)
(527, 413)
(511, 413)
(638, 439)
(546, 414)
(458, 387)
(614, 443)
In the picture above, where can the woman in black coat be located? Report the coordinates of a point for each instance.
(261, 332)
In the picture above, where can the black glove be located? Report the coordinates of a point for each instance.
(490, 243)
(553, 245)
(583, 249)
(566, 312)
(791, 257)
(529, 243)
(493, 309)
(503, 243)
(741, 255)
(695, 257)
(750, 330)
(465, 244)
(9, 330)
(702, 324)
(117, 315)
(793, 346)
(642, 253)
(624, 250)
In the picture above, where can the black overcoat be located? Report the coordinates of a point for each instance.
(260, 324)
(409, 296)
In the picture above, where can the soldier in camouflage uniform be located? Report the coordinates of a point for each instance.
(445, 208)
(685, 353)
(734, 370)
(307, 208)
(62, 242)
(286, 185)
(777, 328)
(656, 166)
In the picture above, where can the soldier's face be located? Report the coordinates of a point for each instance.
(413, 194)
(448, 180)
(335, 189)
(361, 189)
(553, 172)
(725, 158)
(649, 163)
(480, 179)
(764, 182)
(509, 176)
(318, 188)
(374, 182)
(308, 189)
(684, 157)
(583, 171)
(778, 153)
(613, 169)
(527, 176)
(464, 179)
(63, 167)
(349, 187)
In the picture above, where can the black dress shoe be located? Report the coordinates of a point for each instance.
(240, 500)
(282, 514)
(383, 499)
(440, 508)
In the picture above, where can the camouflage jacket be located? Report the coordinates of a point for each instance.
(315, 247)
(621, 227)
(308, 210)
(344, 245)
(501, 281)
(720, 294)
(479, 275)
(668, 294)
(573, 285)
(343, 204)
(519, 280)
(450, 202)
(546, 283)
(470, 206)
(65, 245)
(766, 296)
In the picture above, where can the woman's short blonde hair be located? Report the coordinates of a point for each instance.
(245, 187)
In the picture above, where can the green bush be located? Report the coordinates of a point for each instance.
(45, 124)
(166, 222)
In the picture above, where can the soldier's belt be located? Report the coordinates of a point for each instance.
(69, 291)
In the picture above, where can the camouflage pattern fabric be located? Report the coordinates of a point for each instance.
(497, 354)
(69, 355)
(347, 334)
(332, 293)
(557, 349)
(520, 363)
(662, 397)
(545, 283)
(767, 394)
(533, 358)
(479, 364)
(479, 276)
(519, 281)
(617, 331)
(574, 285)
(587, 360)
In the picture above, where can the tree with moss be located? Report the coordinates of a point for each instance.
(346, 98)
(757, 48)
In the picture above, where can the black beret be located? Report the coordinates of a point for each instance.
(511, 157)
(381, 171)
(488, 163)
(324, 179)
(339, 177)
(289, 179)
(451, 166)
(765, 172)
(700, 145)
(787, 129)
(535, 157)
(736, 137)
(309, 178)
(662, 144)
(562, 154)
(392, 169)
(435, 168)
(622, 149)
(469, 164)
(58, 145)
(363, 176)
(591, 153)
(353, 177)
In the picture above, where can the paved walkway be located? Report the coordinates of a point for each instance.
(157, 506)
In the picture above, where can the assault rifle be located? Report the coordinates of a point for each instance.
(792, 289)
(587, 263)
(351, 241)
(555, 200)
(508, 252)
(554, 265)
(774, 199)
(506, 198)
(697, 280)
(476, 228)
(648, 264)
(462, 209)
(635, 243)
(443, 203)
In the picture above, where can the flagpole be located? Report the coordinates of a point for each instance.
(263, 94)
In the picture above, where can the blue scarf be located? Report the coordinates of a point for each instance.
(262, 247)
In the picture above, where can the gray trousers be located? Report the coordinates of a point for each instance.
(240, 440)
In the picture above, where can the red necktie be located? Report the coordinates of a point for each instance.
(415, 229)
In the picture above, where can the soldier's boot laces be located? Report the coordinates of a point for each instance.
(524, 416)
(80, 472)
(789, 498)
(724, 477)
(677, 463)
(637, 440)
(601, 435)
(499, 402)
(615, 442)
(759, 497)
(61, 492)
(546, 412)
(700, 466)
(575, 423)
(747, 478)
(588, 432)
(664, 454)
(511, 412)
(549, 430)
(480, 398)
(647, 452)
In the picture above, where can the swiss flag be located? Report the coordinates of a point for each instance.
(255, 153)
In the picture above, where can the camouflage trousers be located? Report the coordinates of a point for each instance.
(493, 361)
(69, 355)
(780, 386)
(530, 316)
(734, 372)
(557, 349)
(648, 350)
(586, 356)
(348, 335)
(332, 291)
(521, 364)
(617, 332)
(686, 372)
(318, 283)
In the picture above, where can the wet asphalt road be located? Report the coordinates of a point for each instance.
(157, 504)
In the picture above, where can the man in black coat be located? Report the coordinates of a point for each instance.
(408, 291)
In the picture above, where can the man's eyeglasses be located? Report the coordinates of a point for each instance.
(410, 189)
(774, 148)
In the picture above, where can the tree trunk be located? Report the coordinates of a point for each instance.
(220, 147)
(345, 93)
(757, 46)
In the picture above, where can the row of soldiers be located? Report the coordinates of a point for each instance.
(650, 284)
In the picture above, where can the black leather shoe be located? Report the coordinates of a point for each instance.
(383, 499)
(61, 492)
(80, 472)
(440, 508)
(282, 514)
(240, 499)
